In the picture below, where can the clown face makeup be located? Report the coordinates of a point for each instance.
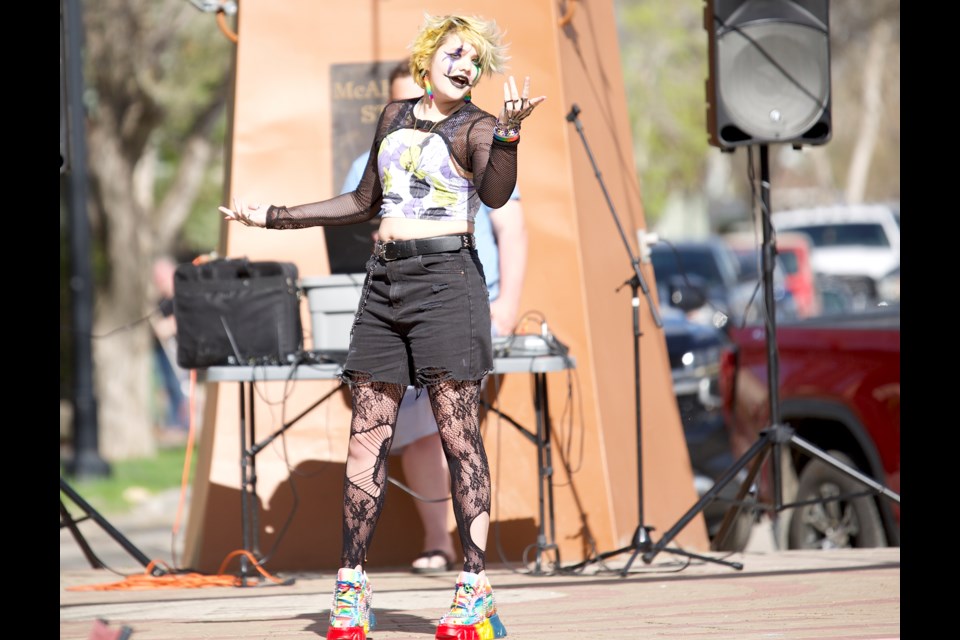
(454, 69)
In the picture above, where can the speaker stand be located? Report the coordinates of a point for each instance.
(68, 521)
(777, 435)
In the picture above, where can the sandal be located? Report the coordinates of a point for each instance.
(432, 566)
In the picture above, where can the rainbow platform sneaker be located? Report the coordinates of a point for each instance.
(473, 614)
(350, 614)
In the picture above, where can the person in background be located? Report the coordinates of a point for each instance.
(174, 379)
(424, 313)
(502, 244)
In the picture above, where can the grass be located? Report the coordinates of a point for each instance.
(130, 481)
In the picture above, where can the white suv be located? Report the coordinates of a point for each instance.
(856, 245)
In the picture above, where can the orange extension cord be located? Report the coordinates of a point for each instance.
(170, 579)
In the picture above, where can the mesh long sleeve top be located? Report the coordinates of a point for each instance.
(433, 170)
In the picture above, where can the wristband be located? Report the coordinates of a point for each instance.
(508, 134)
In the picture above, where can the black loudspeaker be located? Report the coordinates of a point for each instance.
(769, 76)
(237, 312)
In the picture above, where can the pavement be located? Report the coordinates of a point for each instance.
(777, 594)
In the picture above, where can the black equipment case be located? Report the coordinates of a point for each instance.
(237, 312)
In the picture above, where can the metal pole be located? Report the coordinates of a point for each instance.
(86, 456)
(767, 258)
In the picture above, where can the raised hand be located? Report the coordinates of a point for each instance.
(516, 106)
(249, 215)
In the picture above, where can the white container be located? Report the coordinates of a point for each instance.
(333, 304)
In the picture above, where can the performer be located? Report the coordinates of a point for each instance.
(424, 314)
(501, 237)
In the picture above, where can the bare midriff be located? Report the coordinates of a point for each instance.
(409, 229)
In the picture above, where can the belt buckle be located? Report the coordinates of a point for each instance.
(389, 251)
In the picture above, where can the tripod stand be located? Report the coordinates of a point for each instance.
(68, 521)
(777, 435)
(641, 542)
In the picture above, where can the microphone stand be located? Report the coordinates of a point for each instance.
(641, 544)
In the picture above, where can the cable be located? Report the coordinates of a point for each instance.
(185, 580)
(127, 327)
(222, 8)
(761, 216)
(292, 473)
(414, 494)
(773, 61)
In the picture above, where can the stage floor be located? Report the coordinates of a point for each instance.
(848, 594)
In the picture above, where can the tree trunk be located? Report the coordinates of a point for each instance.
(122, 355)
(123, 378)
(872, 111)
(158, 79)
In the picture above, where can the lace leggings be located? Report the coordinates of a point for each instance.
(456, 408)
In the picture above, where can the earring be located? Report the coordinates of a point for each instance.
(467, 98)
(428, 88)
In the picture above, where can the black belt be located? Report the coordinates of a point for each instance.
(422, 246)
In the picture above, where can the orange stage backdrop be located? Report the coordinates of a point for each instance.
(291, 138)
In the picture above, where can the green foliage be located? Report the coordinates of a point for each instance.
(663, 52)
(130, 481)
(201, 232)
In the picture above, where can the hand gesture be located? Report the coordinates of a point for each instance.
(249, 215)
(516, 105)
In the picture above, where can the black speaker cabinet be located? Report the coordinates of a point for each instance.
(237, 312)
(769, 76)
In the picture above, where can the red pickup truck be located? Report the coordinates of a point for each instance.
(840, 392)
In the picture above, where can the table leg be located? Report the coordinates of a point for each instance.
(545, 464)
(245, 462)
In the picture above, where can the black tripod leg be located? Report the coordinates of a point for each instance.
(689, 554)
(67, 520)
(819, 454)
(641, 540)
(106, 526)
(641, 544)
(759, 450)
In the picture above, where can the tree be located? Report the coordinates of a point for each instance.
(157, 76)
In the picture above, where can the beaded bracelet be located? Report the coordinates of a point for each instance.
(511, 134)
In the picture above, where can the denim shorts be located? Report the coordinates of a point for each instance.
(421, 320)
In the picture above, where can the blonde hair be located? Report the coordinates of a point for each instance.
(484, 35)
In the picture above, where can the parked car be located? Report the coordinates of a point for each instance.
(839, 391)
(710, 269)
(793, 256)
(855, 244)
(888, 287)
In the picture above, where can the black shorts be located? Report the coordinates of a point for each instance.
(420, 320)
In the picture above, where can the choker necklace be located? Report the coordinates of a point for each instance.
(421, 124)
(427, 126)
(424, 125)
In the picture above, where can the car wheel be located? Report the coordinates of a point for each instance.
(833, 522)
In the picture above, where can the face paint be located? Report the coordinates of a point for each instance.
(453, 58)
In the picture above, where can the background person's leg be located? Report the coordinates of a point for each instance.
(425, 470)
(417, 440)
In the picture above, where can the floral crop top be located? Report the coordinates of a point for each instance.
(419, 169)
